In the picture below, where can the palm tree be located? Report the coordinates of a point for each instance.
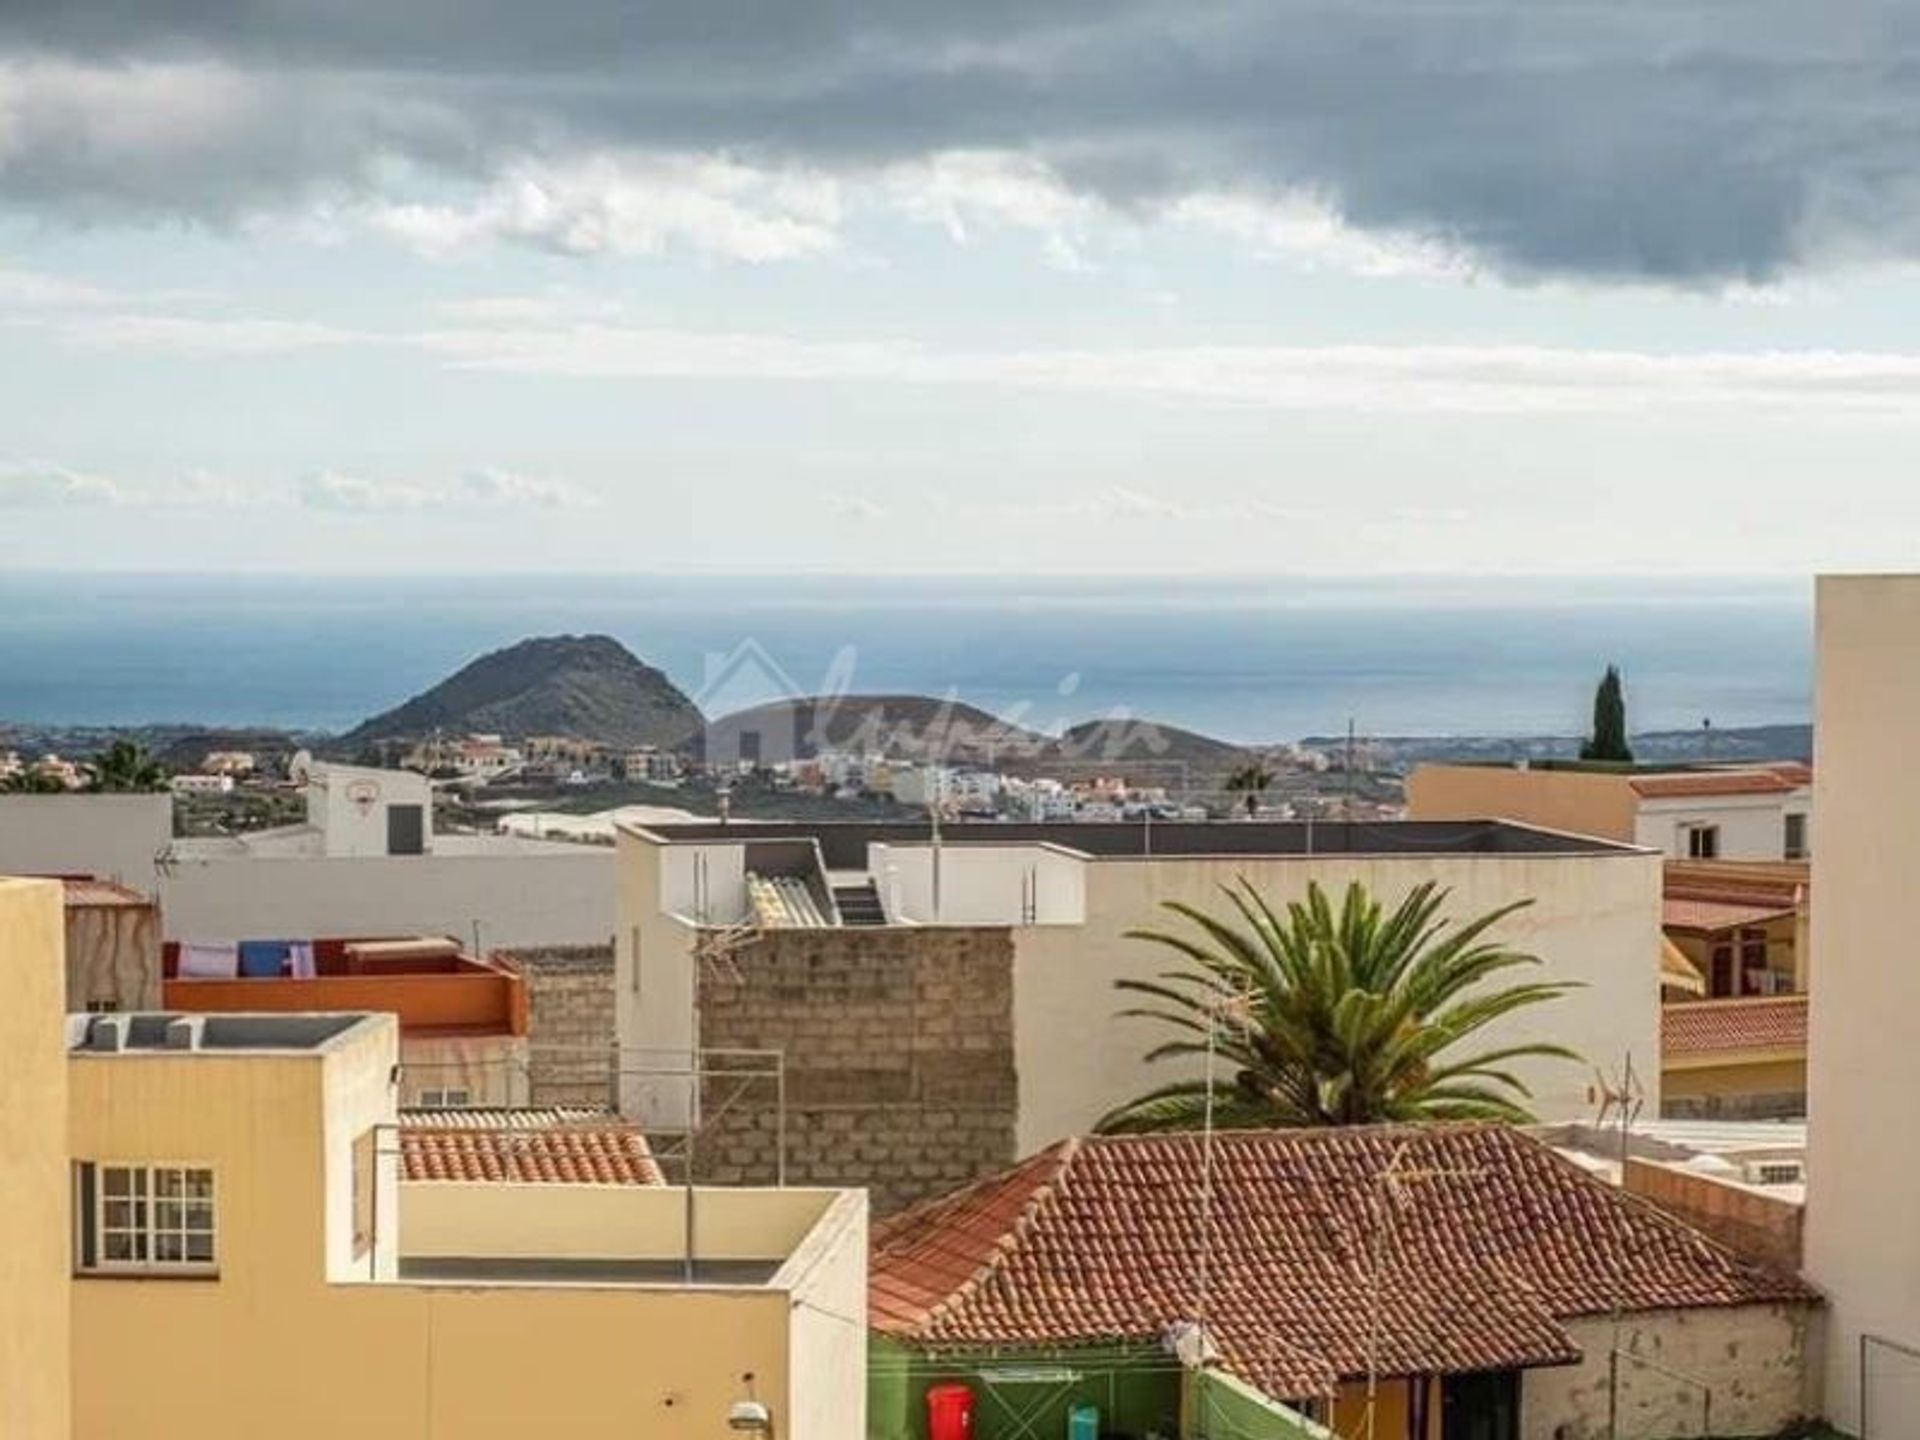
(1251, 782)
(126, 766)
(1348, 1017)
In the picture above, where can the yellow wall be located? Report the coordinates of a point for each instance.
(34, 1345)
(1731, 1079)
(273, 1347)
(1392, 1414)
(1579, 802)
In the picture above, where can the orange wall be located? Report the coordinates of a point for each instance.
(1392, 1415)
(492, 1001)
(1579, 802)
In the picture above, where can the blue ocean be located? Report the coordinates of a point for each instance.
(1241, 658)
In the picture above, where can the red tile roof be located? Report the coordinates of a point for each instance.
(1708, 1027)
(1494, 1242)
(557, 1146)
(1683, 783)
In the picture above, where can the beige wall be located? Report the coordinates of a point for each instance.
(492, 1069)
(1595, 920)
(1753, 1357)
(1863, 1246)
(491, 1218)
(1578, 802)
(34, 1293)
(827, 1340)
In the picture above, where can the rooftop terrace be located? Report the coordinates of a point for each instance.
(173, 1033)
(843, 844)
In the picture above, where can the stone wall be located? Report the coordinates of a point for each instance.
(570, 1035)
(898, 1048)
(1752, 1360)
(113, 957)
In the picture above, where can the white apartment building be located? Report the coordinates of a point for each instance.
(1068, 894)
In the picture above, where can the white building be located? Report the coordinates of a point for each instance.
(1068, 894)
(202, 784)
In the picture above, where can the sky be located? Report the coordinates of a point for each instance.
(1260, 286)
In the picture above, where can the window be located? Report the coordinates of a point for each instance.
(150, 1218)
(406, 830)
(1703, 842)
(102, 1007)
(1794, 841)
(445, 1099)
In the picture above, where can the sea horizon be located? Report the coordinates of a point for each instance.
(1248, 658)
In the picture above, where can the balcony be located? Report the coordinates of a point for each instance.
(434, 988)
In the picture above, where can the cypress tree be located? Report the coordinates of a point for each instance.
(1609, 738)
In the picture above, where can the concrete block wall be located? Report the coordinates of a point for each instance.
(570, 1034)
(898, 1048)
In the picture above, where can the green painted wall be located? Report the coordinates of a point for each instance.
(1137, 1391)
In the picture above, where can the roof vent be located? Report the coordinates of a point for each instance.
(185, 1032)
(107, 1033)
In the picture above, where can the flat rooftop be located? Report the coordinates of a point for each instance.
(544, 1270)
(153, 1032)
(843, 844)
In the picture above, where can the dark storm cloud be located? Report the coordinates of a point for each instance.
(1694, 141)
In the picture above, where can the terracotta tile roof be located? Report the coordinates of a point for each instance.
(1495, 1243)
(1677, 913)
(1683, 783)
(560, 1145)
(1780, 884)
(1707, 1027)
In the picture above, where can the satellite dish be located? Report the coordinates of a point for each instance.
(300, 768)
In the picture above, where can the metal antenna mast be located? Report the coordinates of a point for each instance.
(1621, 1098)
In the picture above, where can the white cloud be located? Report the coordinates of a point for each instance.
(493, 487)
(36, 290)
(631, 204)
(962, 191)
(1509, 379)
(205, 337)
(331, 490)
(848, 506)
(36, 483)
(206, 489)
(1309, 234)
(482, 488)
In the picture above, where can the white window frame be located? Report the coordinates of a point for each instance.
(155, 1243)
(446, 1099)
